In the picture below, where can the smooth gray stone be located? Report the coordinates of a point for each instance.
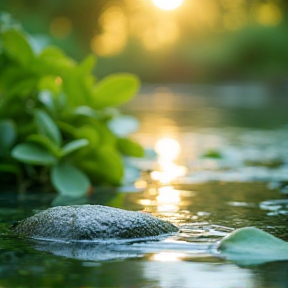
(92, 222)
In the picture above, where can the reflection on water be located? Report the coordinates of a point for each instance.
(168, 199)
(185, 274)
(168, 150)
(167, 257)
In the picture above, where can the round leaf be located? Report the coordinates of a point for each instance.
(33, 154)
(252, 246)
(69, 180)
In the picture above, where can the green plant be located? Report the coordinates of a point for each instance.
(55, 116)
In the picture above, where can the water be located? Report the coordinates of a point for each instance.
(223, 171)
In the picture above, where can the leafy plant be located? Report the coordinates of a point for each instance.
(55, 118)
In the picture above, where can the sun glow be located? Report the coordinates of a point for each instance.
(168, 4)
(168, 151)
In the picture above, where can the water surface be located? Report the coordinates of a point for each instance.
(227, 168)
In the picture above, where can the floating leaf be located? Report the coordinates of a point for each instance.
(115, 90)
(73, 146)
(47, 127)
(69, 180)
(252, 246)
(33, 154)
(212, 154)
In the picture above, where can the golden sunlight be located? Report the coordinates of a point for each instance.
(168, 148)
(113, 38)
(167, 4)
(167, 256)
(168, 195)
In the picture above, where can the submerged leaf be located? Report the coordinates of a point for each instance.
(252, 246)
(33, 154)
(69, 180)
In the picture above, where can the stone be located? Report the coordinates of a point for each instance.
(92, 222)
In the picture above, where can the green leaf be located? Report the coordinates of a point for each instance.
(129, 147)
(87, 64)
(8, 136)
(252, 246)
(46, 143)
(48, 127)
(115, 90)
(50, 84)
(33, 154)
(67, 129)
(45, 97)
(10, 168)
(53, 61)
(18, 47)
(90, 133)
(90, 167)
(123, 125)
(78, 87)
(69, 180)
(85, 111)
(73, 146)
(110, 165)
(212, 154)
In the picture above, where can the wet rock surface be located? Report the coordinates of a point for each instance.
(92, 222)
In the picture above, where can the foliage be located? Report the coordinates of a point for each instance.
(54, 116)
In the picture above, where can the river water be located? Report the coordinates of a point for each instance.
(216, 160)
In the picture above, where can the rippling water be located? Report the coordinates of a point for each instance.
(209, 168)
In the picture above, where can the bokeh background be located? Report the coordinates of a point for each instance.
(203, 41)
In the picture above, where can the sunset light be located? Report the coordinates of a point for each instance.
(167, 4)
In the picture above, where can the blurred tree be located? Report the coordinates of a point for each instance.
(199, 41)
